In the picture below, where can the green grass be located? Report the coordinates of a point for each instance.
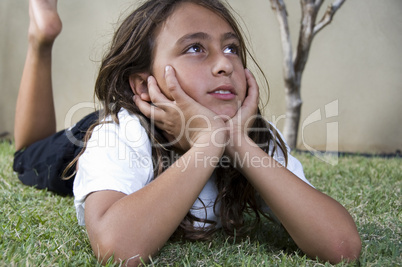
(39, 228)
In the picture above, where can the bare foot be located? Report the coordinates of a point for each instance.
(45, 24)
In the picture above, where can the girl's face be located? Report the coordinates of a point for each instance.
(204, 51)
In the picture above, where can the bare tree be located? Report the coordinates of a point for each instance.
(293, 65)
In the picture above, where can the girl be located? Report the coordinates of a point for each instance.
(180, 147)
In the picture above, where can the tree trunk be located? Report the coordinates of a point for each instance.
(293, 111)
(293, 68)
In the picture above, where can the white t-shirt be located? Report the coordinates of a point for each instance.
(119, 158)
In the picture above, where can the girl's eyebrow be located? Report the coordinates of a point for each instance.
(192, 36)
(230, 35)
(204, 36)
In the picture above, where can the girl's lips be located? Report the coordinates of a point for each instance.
(225, 92)
(223, 95)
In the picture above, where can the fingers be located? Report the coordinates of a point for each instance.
(253, 89)
(148, 109)
(173, 85)
(155, 103)
(145, 101)
(155, 94)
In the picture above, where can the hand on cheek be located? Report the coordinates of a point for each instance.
(245, 116)
(250, 103)
(182, 118)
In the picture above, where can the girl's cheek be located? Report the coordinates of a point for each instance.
(186, 81)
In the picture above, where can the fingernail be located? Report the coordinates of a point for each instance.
(167, 68)
(249, 72)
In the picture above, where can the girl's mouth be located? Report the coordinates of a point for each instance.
(223, 93)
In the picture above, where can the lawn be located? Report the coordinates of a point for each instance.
(39, 228)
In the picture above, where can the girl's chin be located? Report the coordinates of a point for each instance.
(225, 114)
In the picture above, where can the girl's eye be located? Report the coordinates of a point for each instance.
(195, 48)
(231, 49)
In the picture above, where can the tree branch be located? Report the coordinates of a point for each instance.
(329, 14)
(318, 3)
(306, 35)
(282, 16)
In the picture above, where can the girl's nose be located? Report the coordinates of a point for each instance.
(223, 66)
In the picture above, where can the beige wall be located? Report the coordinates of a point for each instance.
(354, 69)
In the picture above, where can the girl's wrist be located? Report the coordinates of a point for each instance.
(207, 152)
(215, 140)
(238, 143)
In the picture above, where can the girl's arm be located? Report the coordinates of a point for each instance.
(319, 225)
(135, 226)
(35, 116)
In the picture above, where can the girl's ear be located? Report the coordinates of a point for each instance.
(139, 85)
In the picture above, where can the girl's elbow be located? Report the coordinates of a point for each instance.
(109, 249)
(347, 249)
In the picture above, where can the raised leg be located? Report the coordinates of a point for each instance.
(35, 115)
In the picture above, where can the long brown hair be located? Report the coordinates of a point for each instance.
(131, 52)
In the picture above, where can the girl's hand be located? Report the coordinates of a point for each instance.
(244, 117)
(185, 122)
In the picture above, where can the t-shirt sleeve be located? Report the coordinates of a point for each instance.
(296, 168)
(118, 157)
